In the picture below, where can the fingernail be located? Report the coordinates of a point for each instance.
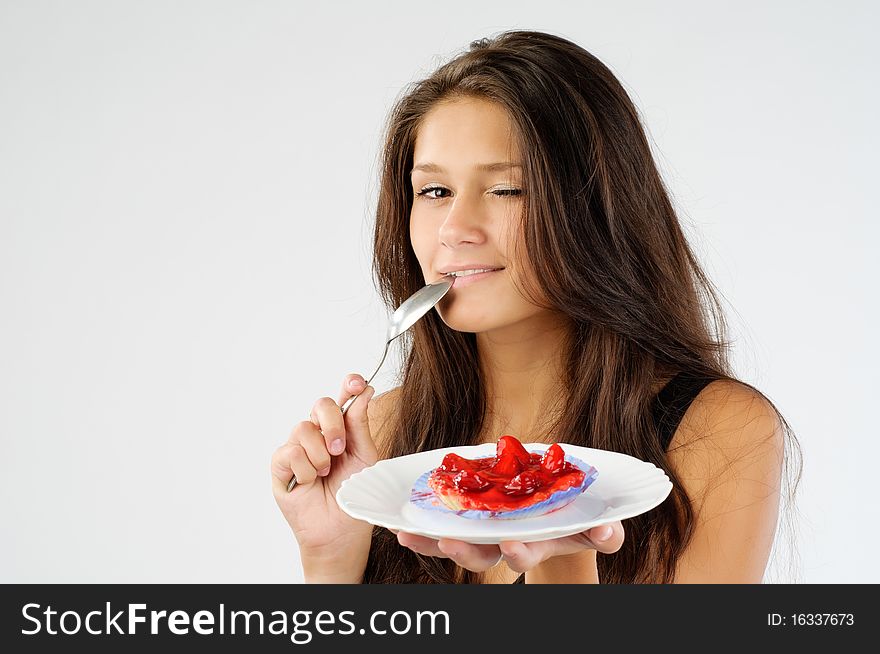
(324, 472)
(337, 446)
(355, 383)
(604, 534)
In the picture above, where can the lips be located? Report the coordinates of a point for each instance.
(467, 280)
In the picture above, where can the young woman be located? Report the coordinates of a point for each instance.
(592, 324)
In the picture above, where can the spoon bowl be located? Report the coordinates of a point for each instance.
(406, 315)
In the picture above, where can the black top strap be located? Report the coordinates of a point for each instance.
(673, 401)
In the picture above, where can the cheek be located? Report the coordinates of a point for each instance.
(422, 243)
(512, 247)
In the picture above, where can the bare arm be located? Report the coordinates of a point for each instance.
(728, 454)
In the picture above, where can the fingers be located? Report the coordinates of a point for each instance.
(305, 472)
(327, 416)
(288, 460)
(351, 385)
(522, 557)
(356, 438)
(419, 544)
(315, 447)
(477, 558)
(304, 455)
(282, 471)
(607, 538)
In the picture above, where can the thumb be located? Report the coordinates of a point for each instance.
(607, 538)
(358, 438)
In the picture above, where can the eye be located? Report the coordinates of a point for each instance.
(431, 189)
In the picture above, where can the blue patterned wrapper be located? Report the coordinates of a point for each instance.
(424, 497)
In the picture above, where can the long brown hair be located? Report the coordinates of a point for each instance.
(601, 233)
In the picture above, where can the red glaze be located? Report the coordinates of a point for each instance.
(510, 480)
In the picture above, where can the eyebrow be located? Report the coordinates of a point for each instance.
(429, 167)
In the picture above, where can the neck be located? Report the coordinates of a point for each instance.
(523, 368)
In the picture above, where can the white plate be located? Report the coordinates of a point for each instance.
(625, 487)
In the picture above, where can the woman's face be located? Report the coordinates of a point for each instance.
(467, 202)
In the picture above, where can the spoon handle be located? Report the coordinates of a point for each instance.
(351, 400)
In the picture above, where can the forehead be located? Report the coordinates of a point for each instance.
(464, 131)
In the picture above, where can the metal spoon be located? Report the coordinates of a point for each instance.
(406, 315)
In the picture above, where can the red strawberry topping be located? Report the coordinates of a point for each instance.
(510, 480)
(553, 459)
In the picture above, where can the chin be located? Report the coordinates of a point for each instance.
(474, 316)
(461, 319)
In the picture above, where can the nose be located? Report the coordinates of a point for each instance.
(463, 224)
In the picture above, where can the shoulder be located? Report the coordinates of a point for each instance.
(730, 414)
(379, 413)
(729, 448)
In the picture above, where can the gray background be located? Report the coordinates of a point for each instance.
(186, 191)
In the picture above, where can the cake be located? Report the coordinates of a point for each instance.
(512, 484)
